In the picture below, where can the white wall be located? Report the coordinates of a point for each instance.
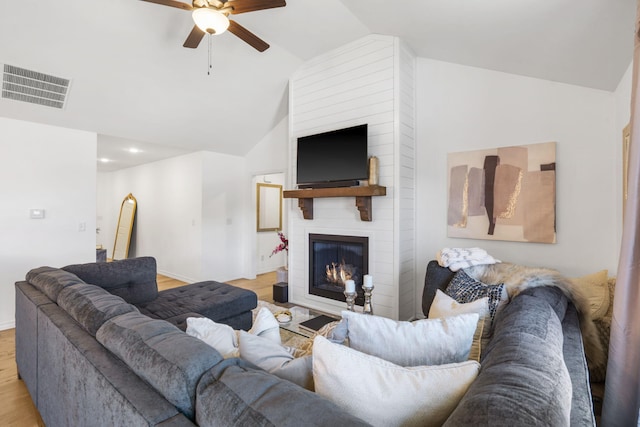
(169, 210)
(269, 156)
(196, 213)
(463, 108)
(190, 214)
(226, 217)
(48, 168)
(367, 81)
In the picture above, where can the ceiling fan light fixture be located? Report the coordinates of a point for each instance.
(210, 20)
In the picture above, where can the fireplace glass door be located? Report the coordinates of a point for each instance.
(333, 259)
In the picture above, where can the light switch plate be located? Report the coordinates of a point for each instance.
(36, 213)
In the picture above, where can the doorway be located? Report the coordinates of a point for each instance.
(267, 241)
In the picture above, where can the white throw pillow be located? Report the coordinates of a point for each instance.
(444, 306)
(225, 339)
(217, 335)
(422, 342)
(384, 394)
(276, 359)
(596, 288)
(265, 325)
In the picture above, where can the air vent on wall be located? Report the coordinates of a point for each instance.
(30, 86)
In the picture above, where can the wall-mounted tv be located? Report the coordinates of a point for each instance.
(338, 158)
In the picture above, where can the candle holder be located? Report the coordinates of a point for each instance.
(368, 308)
(351, 299)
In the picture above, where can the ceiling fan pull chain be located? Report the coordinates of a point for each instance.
(210, 66)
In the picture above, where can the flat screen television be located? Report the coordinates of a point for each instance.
(338, 158)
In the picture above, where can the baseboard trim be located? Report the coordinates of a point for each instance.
(11, 324)
(178, 277)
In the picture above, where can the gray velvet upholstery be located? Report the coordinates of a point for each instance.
(234, 393)
(81, 383)
(28, 299)
(217, 301)
(582, 413)
(91, 305)
(51, 281)
(135, 371)
(133, 279)
(167, 358)
(534, 370)
(524, 380)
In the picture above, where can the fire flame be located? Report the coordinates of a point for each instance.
(339, 273)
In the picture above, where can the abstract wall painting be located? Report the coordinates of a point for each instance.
(506, 193)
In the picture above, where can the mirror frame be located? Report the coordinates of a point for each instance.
(126, 220)
(268, 195)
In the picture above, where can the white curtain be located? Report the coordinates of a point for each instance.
(622, 388)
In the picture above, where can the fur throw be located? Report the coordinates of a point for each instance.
(518, 278)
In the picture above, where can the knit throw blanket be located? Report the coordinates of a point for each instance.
(459, 258)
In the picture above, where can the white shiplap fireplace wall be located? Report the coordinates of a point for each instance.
(368, 81)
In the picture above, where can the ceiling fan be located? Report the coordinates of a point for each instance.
(212, 16)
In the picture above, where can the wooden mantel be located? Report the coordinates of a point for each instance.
(362, 194)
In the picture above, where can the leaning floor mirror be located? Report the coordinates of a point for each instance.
(269, 202)
(126, 221)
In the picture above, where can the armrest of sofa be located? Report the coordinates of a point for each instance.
(436, 278)
(133, 279)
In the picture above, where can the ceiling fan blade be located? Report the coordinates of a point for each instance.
(246, 35)
(194, 38)
(243, 6)
(172, 3)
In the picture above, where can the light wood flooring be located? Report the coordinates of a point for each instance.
(17, 408)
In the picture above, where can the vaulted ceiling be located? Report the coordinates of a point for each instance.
(133, 83)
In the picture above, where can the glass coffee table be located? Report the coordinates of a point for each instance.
(299, 315)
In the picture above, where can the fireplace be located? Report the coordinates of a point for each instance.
(334, 259)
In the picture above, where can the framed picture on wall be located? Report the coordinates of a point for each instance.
(506, 193)
(269, 207)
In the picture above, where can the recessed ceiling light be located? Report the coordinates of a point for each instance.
(104, 160)
(134, 150)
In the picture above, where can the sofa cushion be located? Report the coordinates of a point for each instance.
(51, 281)
(595, 287)
(422, 342)
(234, 393)
(523, 368)
(386, 394)
(91, 305)
(133, 279)
(276, 359)
(444, 306)
(217, 335)
(266, 326)
(436, 277)
(217, 301)
(161, 354)
(464, 289)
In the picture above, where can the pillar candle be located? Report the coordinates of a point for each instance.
(349, 286)
(367, 281)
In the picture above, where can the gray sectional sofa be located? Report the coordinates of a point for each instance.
(98, 345)
(534, 370)
(94, 352)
